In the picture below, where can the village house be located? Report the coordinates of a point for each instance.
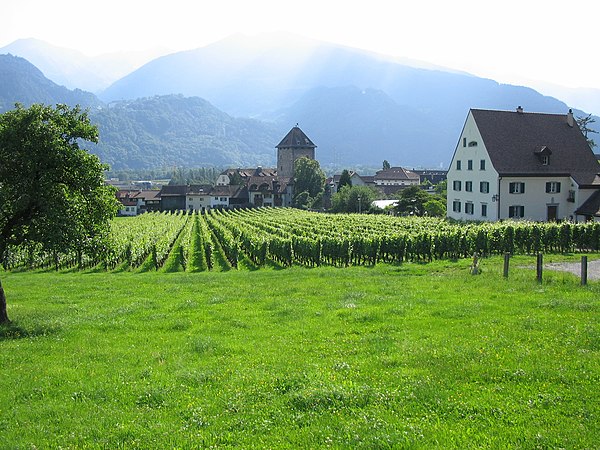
(396, 176)
(355, 180)
(519, 165)
(431, 175)
(134, 202)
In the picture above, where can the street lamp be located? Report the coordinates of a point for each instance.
(359, 205)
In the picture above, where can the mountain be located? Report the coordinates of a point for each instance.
(22, 82)
(358, 106)
(168, 131)
(352, 126)
(148, 133)
(73, 69)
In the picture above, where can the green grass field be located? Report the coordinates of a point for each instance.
(408, 356)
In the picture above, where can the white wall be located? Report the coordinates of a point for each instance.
(197, 202)
(223, 180)
(536, 200)
(475, 154)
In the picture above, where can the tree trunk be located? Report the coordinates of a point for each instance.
(3, 313)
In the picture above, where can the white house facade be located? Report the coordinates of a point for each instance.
(512, 164)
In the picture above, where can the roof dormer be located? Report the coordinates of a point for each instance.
(544, 155)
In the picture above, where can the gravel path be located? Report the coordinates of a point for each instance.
(575, 268)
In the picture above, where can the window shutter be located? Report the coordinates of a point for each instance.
(547, 187)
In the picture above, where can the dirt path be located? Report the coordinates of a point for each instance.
(575, 268)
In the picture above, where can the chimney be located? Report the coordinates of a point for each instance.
(519, 109)
(570, 120)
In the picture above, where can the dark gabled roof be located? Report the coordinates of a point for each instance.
(395, 173)
(230, 190)
(175, 191)
(199, 189)
(276, 185)
(591, 207)
(246, 173)
(368, 179)
(296, 139)
(515, 140)
(147, 195)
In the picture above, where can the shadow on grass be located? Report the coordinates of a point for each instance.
(13, 331)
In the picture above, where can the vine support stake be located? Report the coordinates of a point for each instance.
(540, 266)
(584, 267)
(506, 260)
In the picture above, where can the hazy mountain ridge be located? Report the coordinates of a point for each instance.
(170, 131)
(152, 132)
(75, 70)
(358, 107)
(24, 83)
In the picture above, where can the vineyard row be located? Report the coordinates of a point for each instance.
(220, 240)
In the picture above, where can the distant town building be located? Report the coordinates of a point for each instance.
(293, 146)
(234, 187)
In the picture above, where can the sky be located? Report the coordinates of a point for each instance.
(511, 41)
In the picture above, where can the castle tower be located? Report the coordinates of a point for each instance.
(293, 146)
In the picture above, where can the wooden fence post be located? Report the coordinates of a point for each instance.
(540, 266)
(506, 259)
(3, 313)
(475, 265)
(584, 270)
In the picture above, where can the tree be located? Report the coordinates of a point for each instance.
(235, 179)
(309, 183)
(584, 123)
(435, 207)
(386, 164)
(52, 192)
(411, 200)
(353, 199)
(345, 179)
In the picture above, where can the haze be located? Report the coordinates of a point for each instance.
(514, 41)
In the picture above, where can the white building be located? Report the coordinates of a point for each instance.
(512, 164)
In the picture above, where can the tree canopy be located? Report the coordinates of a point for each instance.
(353, 199)
(52, 192)
(413, 200)
(309, 183)
(345, 179)
(584, 125)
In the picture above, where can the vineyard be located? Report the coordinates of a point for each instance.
(283, 237)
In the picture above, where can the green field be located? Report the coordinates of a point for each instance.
(391, 356)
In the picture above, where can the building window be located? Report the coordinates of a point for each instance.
(516, 211)
(545, 160)
(469, 186)
(516, 188)
(484, 187)
(458, 165)
(470, 164)
(464, 142)
(482, 164)
(483, 210)
(456, 206)
(456, 185)
(469, 208)
(553, 187)
(473, 144)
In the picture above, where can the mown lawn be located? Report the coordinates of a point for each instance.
(409, 356)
